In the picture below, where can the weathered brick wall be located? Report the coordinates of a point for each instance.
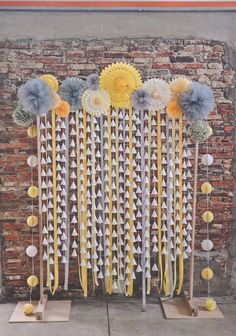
(204, 61)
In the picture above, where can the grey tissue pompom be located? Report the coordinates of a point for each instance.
(93, 82)
(197, 102)
(36, 97)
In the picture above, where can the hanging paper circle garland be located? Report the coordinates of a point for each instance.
(207, 274)
(208, 216)
(210, 304)
(32, 131)
(207, 159)
(31, 251)
(207, 245)
(206, 188)
(96, 102)
(33, 191)
(32, 221)
(28, 309)
(32, 281)
(32, 161)
(120, 80)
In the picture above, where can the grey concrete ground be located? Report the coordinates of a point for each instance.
(120, 318)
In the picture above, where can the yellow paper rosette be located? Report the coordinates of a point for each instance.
(120, 80)
(96, 102)
(51, 81)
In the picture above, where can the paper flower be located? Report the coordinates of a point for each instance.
(63, 109)
(36, 97)
(160, 93)
(141, 99)
(72, 90)
(51, 81)
(120, 80)
(93, 82)
(173, 109)
(21, 117)
(197, 102)
(178, 86)
(96, 102)
(56, 100)
(199, 130)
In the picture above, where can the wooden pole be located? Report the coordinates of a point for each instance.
(191, 274)
(40, 215)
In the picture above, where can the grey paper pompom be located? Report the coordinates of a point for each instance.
(71, 90)
(141, 99)
(197, 102)
(36, 97)
(22, 118)
(92, 82)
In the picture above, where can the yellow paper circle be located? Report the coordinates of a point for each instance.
(32, 131)
(206, 188)
(32, 281)
(207, 273)
(32, 221)
(33, 191)
(210, 304)
(51, 81)
(208, 216)
(28, 309)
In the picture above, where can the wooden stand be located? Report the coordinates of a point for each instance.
(187, 306)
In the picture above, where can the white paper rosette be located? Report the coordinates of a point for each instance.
(96, 102)
(160, 93)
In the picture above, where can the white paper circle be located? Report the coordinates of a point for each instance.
(32, 161)
(207, 159)
(207, 245)
(31, 251)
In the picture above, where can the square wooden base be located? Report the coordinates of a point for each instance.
(55, 311)
(177, 308)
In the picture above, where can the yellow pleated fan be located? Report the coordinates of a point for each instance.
(178, 86)
(120, 80)
(51, 81)
(96, 102)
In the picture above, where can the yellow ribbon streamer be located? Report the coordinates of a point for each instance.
(83, 230)
(174, 196)
(160, 275)
(131, 211)
(149, 183)
(56, 279)
(181, 261)
(78, 192)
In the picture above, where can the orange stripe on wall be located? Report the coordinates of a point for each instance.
(117, 4)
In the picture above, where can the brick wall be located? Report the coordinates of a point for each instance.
(204, 61)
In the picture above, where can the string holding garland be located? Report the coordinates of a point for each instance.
(116, 176)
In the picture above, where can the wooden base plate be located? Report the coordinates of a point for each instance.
(56, 311)
(176, 308)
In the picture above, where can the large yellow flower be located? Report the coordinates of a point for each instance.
(96, 102)
(120, 80)
(178, 86)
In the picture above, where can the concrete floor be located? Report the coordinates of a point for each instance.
(120, 318)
